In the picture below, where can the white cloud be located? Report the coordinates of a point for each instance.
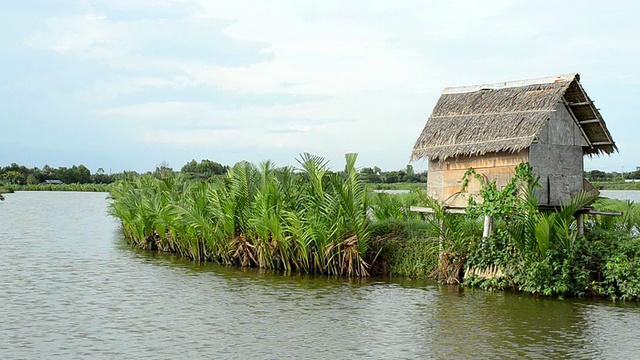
(229, 140)
(371, 71)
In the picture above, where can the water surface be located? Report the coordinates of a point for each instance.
(70, 288)
(633, 195)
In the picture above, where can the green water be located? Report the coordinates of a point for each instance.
(70, 288)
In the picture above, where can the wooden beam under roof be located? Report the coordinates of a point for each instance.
(597, 114)
(602, 143)
(575, 119)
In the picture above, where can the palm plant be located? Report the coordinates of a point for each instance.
(311, 221)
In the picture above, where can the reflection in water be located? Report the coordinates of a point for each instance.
(514, 326)
(71, 288)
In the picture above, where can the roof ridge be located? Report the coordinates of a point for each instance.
(510, 84)
(492, 113)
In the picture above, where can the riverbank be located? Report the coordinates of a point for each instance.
(60, 187)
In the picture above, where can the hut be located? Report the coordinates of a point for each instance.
(549, 122)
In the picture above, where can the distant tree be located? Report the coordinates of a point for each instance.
(48, 171)
(126, 175)
(210, 168)
(190, 167)
(369, 175)
(367, 171)
(423, 176)
(410, 171)
(37, 177)
(411, 175)
(633, 174)
(391, 177)
(32, 180)
(63, 174)
(13, 177)
(163, 170)
(81, 174)
(101, 178)
(204, 169)
(597, 175)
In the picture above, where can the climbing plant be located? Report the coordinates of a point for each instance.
(512, 199)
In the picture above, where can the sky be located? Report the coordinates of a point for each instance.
(132, 84)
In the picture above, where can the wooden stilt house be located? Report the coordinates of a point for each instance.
(549, 122)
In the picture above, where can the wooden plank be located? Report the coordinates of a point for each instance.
(431, 211)
(607, 213)
(421, 209)
(602, 143)
(580, 103)
(590, 121)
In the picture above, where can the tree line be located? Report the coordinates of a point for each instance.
(16, 174)
(598, 175)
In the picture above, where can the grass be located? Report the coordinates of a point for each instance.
(406, 247)
(618, 185)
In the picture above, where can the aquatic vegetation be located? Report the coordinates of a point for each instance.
(313, 220)
(308, 220)
(542, 252)
(530, 250)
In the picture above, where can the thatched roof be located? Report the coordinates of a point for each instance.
(475, 120)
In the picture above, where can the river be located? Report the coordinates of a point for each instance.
(633, 195)
(71, 288)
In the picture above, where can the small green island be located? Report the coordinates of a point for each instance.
(309, 219)
(312, 220)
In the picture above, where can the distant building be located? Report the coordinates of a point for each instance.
(549, 122)
(52, 182)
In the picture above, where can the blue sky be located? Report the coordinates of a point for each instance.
(129, 84)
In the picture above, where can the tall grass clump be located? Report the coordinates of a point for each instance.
(307, 219)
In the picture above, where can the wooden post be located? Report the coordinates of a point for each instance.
(580, 220)
(488, 226)
(440, 240)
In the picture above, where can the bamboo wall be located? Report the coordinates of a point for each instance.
(556, 156)
(444, 182)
